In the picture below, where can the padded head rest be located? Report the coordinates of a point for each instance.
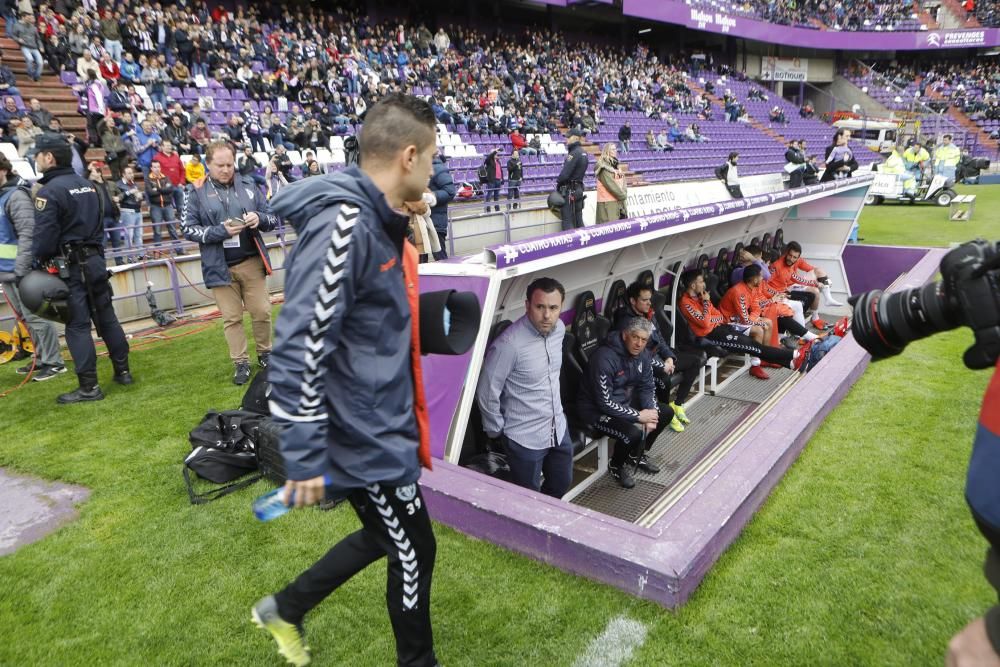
(617, 298)
(498, 329)
(779, 240)
(587, 327)
(737, 249)
(702, 263)
(646, 279)
(766, 241)
(723, 256)
(755, 241)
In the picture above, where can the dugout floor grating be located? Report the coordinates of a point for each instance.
(607, 497)
(748, 388)
(712, 419)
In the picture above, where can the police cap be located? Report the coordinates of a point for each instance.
(50, 141)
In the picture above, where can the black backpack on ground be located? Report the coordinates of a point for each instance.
(257, 395)
(224, 452)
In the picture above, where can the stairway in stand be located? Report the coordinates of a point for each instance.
(53, 94)
(982, 136)
(956, 9)
(964, 121)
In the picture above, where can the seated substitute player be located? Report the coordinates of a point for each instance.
(707, 322)
(746, 303)
(754, 254)
(618, 399)
(518, 393)
(787, 276)
(666, 362)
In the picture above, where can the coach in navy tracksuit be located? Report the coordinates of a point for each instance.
(618, 399)
(346, 377)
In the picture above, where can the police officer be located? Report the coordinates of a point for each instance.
(69, 231)
(570, 183)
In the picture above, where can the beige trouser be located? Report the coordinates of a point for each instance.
(248, 288)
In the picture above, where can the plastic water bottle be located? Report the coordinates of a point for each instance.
(271, 505)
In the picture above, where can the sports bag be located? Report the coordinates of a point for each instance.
(223, 451)
(819, 350)
(256, 397)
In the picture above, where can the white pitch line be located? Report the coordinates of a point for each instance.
(615, 645)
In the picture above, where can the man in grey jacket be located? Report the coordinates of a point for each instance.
(518, 393)
(346, 380)
(25, 33)
(17, 223)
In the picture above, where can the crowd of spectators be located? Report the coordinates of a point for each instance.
(324, 70)
(832, 14)
(971, 86)
(329, 68)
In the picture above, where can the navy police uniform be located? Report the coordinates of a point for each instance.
(570, 185)
(69, 225)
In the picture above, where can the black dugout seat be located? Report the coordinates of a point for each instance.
(475, 439)
(588, 328)
(767, 241)
(617, 299)
(570, 378)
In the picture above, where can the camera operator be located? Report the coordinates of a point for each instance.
(978, 643)
(969, 294)
(226, 215)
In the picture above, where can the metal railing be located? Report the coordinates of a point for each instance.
(177, 279)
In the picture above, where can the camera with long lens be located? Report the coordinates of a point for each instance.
(968, 294)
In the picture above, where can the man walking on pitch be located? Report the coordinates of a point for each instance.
(346, 377)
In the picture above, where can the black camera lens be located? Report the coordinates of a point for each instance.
(884, 324)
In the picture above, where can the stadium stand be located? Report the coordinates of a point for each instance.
(218, 66)
(851, 15)
(957, 97)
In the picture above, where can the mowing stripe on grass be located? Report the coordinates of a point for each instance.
(615, 645)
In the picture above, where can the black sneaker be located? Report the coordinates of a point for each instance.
(43, 373)
(623, 474)
(123, 378)
(242, 374)
(24, 370)
(646, 465)
(264, 358)
(80, 395)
